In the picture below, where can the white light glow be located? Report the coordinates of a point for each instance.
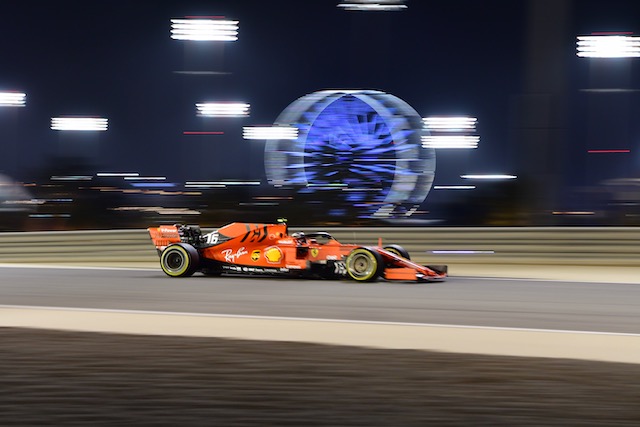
(450, 141)
(217, 184)
(204, 29)
(107, 174)
(380, 5)
(270, 132)
(79, 123)
(488, 176)
(450, 123)
(12, 99)
(454, 187)
(222, 109)
(145, 178)
(71, 178)
(608, 46)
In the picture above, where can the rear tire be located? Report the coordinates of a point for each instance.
(364, 265)
(179, 260)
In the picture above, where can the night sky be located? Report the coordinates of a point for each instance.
(116, 59)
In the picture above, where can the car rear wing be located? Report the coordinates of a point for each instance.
(164, 235)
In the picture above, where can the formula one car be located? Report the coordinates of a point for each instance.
(246, 248)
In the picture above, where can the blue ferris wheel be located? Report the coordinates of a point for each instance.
(361, 147)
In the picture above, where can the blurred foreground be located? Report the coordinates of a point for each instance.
(72, 378)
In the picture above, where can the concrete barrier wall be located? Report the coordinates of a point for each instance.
(603, 246)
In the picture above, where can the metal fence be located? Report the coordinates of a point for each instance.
(509, 245)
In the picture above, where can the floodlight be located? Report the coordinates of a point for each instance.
(374, 5)
(450, 123)
(217, 184)
(79, 123)
(117, 174)
(270, 132)
(450, 141)
(454, 187)
(204, 29)
(608, 46)
(145, 178)
(12, 99)
(222, 109)
(489, 176)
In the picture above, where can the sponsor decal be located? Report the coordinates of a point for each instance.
(285, 241)
(231, 257)
(294, 267)
(169, 231)
(236, 269)
(255, 233)
(212, 238)
(255, 255)
(332, 257)
(314, 252)
(340, 268)
(273, 254)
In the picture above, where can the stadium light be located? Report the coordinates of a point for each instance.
(454, 187)
(450, 123)
(145, 178)
(450, 141)
(79, 123)
(217, 184)
(222, 109)
(12, 99)
(608, 46)
(117, 174)
(374, 5)
(489, 176)
(204, 29)
(270, 132)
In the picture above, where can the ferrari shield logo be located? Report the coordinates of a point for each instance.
(314, 252)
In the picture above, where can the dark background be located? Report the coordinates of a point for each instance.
(511, 64)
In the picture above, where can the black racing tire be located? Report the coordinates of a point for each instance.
(398, 250)
(179, 260)
(364, 265)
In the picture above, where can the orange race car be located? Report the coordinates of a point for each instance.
(245, 248)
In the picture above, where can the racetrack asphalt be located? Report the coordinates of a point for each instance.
(576, 273)
(50, 377)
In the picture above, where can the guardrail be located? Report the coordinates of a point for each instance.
(604, 246)
(616, 246)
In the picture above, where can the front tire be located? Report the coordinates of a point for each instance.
(364, 265)
(398, 250)
(179, 260)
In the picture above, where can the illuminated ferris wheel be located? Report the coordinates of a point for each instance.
(362, 146)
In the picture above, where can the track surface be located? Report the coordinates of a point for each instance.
(61, 377)
(514, 303)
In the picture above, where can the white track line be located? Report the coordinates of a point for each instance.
(610, 347)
